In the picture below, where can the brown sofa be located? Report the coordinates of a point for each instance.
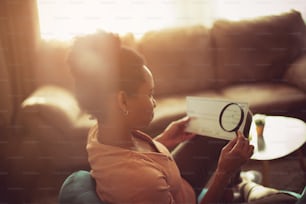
(261, 61)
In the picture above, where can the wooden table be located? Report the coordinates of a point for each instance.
(282, 136)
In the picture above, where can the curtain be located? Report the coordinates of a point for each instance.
(18, 36)
(5, 103)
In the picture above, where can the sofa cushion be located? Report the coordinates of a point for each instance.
(54, 104)
(269, 98)
(259, 49)
(180, 59)
(296, 73)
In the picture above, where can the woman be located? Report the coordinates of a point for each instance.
(114, 85)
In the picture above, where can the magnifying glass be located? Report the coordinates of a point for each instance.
(231, 117)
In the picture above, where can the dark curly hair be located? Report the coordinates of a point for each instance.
(100, 66)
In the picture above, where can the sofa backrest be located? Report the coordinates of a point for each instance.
(51, 65)
(180, 59)
(196, 58)
(259, 49)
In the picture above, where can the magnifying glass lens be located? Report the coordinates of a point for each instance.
(231, 117)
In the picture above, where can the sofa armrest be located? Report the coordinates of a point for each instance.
(56, 106)
(296, 73)
(58, 127)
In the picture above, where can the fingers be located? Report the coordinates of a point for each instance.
(235, 153)
(240, 142)
(250, 151)
(182, 123)
(247, 147)
(230, 144)
(242, 147)
(179, 124)
(188, 136)
(183, 120)
(244, 142)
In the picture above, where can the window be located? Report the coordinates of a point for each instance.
(239, 9)
(63, 19)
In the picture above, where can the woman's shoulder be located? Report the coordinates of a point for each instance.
(108, 161)
(159, 146)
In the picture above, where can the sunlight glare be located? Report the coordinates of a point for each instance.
(63, 19)
(244, 9)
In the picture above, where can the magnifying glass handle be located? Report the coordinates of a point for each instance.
(248, 122)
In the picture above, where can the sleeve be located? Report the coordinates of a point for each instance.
(137, 183)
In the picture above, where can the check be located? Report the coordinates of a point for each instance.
(217, 118)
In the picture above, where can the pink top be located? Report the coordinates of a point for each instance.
(126, 176)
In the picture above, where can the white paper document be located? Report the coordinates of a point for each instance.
(217, 118)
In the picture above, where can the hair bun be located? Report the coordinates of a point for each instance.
(94, 53)
(93, 60)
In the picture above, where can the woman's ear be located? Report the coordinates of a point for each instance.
(122, 101)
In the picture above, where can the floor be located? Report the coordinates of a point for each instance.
(285, 173)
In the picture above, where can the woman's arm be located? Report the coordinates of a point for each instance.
(232, 157)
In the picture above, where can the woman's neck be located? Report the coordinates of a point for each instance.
(115, 135)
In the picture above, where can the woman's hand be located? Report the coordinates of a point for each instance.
(175, 133)
(234, 155)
